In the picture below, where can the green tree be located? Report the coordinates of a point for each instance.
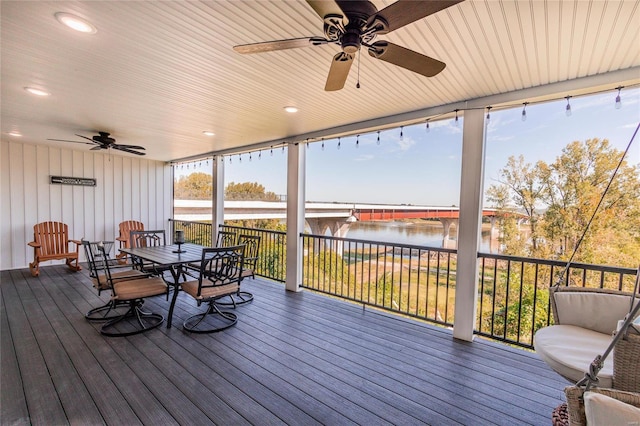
(196, 186)
(574, 184)
(560, 198)
(248, 191)
(519, 192)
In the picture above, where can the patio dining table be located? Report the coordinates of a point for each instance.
(168, 255)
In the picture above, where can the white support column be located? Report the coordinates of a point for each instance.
(295, 215)
(217, 197)
(469, 231)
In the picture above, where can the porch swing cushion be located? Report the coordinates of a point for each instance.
(569, 350)
(594, 311)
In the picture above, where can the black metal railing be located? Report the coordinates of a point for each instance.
(411, 280)
(419, 281)
(194, 232)
(513, 292)
(271, 254)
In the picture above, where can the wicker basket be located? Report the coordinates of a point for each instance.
(575, 401)
(626, 362)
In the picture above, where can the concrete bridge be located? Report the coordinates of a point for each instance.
(323, 217)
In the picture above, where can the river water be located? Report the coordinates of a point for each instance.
(422, 234)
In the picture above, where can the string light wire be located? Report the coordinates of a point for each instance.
(568, 112)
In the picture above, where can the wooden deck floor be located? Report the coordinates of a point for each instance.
(293, 358)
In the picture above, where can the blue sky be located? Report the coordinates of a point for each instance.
(423, 168)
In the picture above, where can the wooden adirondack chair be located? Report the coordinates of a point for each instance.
(51, 242)
(125, 235)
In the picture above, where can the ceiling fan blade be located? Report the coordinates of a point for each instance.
(405, 58)
(127, 146)
(120, 148)
(64, 140)
(269, 46)
(339, 71)
(404, 12)
(326, 8)
(89, 139)
(97, 148)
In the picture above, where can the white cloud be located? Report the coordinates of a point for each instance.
(366, 157)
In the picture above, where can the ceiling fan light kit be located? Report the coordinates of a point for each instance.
(356, 23)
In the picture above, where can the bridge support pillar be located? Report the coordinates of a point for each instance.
(446, 230)
(469, 231)
(338, 229)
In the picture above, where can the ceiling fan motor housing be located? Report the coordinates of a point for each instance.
(351, 41)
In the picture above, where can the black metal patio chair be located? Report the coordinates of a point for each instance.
(97, 267)
(133, 292)
(219, 276)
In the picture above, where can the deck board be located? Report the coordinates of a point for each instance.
(293, 358)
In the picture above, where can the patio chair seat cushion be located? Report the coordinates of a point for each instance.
(191, 288)
(569, 350)
(138, 289)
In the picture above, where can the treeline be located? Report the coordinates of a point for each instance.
(559, 199)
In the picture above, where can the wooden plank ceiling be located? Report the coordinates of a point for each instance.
(158, 74)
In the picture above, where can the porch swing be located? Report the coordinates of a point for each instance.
(589, 324)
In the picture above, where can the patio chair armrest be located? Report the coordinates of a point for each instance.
(35, 244)
(77, 243)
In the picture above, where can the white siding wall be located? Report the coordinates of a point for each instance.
(127, 188)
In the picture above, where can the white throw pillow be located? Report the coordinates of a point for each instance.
(602, 410)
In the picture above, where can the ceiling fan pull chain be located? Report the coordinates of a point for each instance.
(358, 83)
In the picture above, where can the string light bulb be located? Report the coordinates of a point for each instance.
(567, 109)
(260, 155)
(338, 143)
(358, 141)
(524, 111)
(457, 122)
(401, 132)
(378, 140)
(271, 150)
(489, 113)
(427, 127)
(322, 144)
(618, 100)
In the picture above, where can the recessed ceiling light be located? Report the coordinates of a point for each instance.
(37, 92)
(208, 133)
(291, 109)
(15, 133)
(75, 23)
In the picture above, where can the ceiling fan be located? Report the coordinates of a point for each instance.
(103, 141)
(355, 23)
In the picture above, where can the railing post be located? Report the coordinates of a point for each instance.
(295, 215)
(471, 194)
